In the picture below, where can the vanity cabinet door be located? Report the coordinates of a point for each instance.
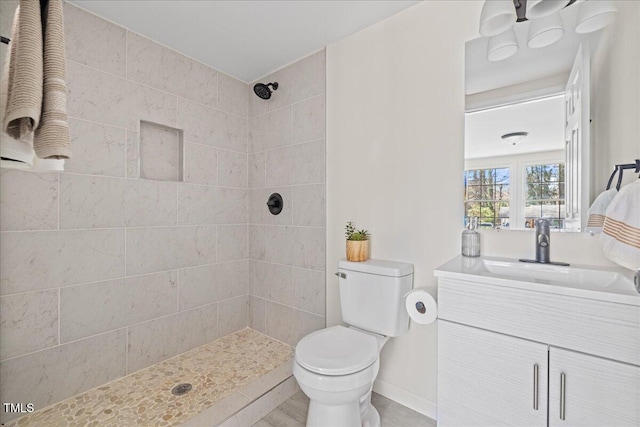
(489, 379)
(597, 392)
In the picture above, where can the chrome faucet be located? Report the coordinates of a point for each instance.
(543, 244)
(543, 241)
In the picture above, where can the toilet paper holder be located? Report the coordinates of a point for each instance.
(420, 307)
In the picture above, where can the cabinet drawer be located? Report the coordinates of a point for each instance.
(601, 328)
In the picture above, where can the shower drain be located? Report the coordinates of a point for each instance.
(181, 389)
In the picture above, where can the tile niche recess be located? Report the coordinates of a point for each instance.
(160, 152)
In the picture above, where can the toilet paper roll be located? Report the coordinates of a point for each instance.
(421, 306)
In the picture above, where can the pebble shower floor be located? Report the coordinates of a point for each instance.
(215, 370)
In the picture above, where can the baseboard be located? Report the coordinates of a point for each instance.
(403, 397)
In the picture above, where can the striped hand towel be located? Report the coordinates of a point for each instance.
(52, 139)
(597, 211)
(620, 236)
(24, 74)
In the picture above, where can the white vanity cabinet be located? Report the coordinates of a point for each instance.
(525, 355)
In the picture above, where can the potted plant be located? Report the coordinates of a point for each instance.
(357, 243)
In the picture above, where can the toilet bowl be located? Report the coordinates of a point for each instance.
(335, 368)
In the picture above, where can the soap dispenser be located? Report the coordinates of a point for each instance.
(471, 239)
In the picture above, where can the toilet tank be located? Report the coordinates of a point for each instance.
(372, 295)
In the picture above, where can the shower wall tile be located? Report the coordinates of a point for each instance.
(280, 249)
(299, 81)
(309, 205)
(157, 66)
(271, 281)
(280, 166)
(256, 242)
(29, 322)
(256, 313)
(211, 283)
(54, 374)
(151, 105)
(233, 96)
(309, 120)
(259, 213)
(100, 202)
(288, 324)
(310, 162)
(47, 259)
(91, 201)
(97, 149)
(150, 203)
(98, 307)
(297, 164)
(256, 170)
(28, 200)
(168, 248)
(287, 155)
(198, 204)
(232, 169)
(200, 164)
(233, 315)
(232, 279)
(133, 154)
(271, 130)
(309, 290)
(257, 106)
(156, 340)
(232, 242)
(233, 207)
(308, 248)
(209, 126)
(93, 41)
(96, 96)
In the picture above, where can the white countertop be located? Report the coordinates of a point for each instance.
(599, 283)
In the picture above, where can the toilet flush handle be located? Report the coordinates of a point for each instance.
(341, 275)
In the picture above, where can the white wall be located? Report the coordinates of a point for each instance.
(395, 136)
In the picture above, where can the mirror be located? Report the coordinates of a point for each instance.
(528, 148)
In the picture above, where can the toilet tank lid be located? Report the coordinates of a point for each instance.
(378, 267)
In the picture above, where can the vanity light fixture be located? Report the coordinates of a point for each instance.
(496, 17)
(514, 138)
(546, 27)
(537, 9)
(502, 46)
(595, 15)
(546, 31)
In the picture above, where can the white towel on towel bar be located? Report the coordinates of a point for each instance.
(620, 237)
(598, 210)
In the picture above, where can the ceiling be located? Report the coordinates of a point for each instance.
(527, 64)
(543, 119)
(245, 39)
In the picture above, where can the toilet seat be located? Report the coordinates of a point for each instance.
(336, 351)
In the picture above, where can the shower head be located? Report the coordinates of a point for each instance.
(263, 91)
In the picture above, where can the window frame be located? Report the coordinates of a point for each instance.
(517, 179)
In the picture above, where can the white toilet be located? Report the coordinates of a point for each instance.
(335, 367)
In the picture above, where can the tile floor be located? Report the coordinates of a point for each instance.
(293, 413)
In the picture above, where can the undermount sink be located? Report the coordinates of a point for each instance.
(602, 283)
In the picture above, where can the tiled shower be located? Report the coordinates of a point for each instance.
(156, 239)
